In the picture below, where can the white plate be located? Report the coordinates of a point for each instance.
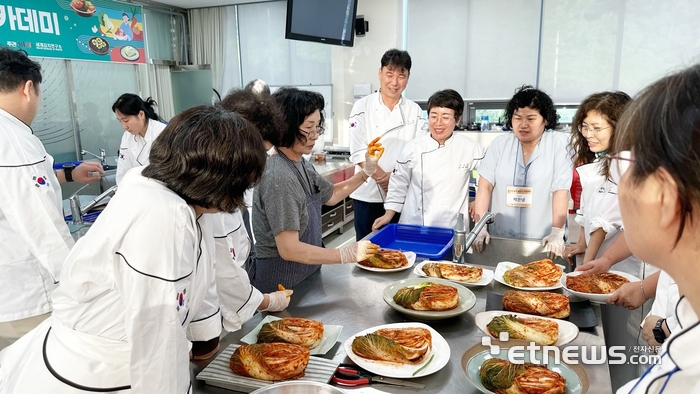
(467, 299)
(593, 297)
(130, 53)
(504, 266)
(573, 382)
(567, 330)
(410, 256)
(486, 276)
(329, 338)
(440, 353)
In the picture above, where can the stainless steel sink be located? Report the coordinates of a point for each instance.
(78, 230)
(514, 250)
(109, 179)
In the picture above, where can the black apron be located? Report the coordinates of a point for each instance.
(267, 273)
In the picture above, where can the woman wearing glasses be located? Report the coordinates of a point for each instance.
(658, 141)
(287, 202)
(525, 176)
(599, 215)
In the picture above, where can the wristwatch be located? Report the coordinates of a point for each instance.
(68, 171)
(659, 334)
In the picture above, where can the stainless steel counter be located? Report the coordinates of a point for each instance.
(352, 297)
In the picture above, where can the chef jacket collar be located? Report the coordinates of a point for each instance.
(16, 120)
(679, 345)
(433, 144)
(149, 133)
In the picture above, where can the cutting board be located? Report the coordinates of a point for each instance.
(218, 373)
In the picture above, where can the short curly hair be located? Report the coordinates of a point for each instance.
(261, 110)
(297, 105)
(527, 96)
(208, 156)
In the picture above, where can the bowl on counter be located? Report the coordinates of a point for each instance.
(473, 126)
(299, 387)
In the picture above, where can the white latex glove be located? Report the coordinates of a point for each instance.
(370, 165)
(279, 301)
(358, 251)
(374, 153)
(482, 238)
(554, 242)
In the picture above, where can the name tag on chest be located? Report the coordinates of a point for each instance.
(520, 197)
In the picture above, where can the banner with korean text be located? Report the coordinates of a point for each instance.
(101, 30)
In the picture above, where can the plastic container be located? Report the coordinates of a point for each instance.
(425, 241)
(485, 126)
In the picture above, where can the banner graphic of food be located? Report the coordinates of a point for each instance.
(115, 34)
(101, 30)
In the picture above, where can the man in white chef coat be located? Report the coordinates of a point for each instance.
(34, 236)
(396, 120)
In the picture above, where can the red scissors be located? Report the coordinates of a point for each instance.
(349, 375)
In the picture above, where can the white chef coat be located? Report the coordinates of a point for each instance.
(239, 299)
(370, 119)
(34, 238)
(134, 149)
(131, 286)
(548, 170)
(600, 210)
(666, 300)
(430, 184)
(679, 370)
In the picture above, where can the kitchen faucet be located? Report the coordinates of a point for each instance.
(77, 212)
(102, 156)
(486, 218)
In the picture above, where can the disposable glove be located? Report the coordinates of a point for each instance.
(554, 242)
(482, 238)
(279, 300)
(375, 150)
(358, 251)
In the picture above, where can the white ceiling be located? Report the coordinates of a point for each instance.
(205, 3)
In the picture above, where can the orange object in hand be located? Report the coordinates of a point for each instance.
(375, 148)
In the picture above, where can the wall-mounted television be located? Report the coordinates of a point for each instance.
(325, 21)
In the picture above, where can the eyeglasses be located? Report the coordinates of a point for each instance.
(584, 129)
(318, 131)
(619, 164)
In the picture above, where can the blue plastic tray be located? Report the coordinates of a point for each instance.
(428, 242)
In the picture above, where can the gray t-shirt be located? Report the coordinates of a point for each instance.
(279, 203)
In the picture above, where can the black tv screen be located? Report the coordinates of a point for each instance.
(325, 21)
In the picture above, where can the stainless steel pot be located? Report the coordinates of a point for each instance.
(299, 387)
